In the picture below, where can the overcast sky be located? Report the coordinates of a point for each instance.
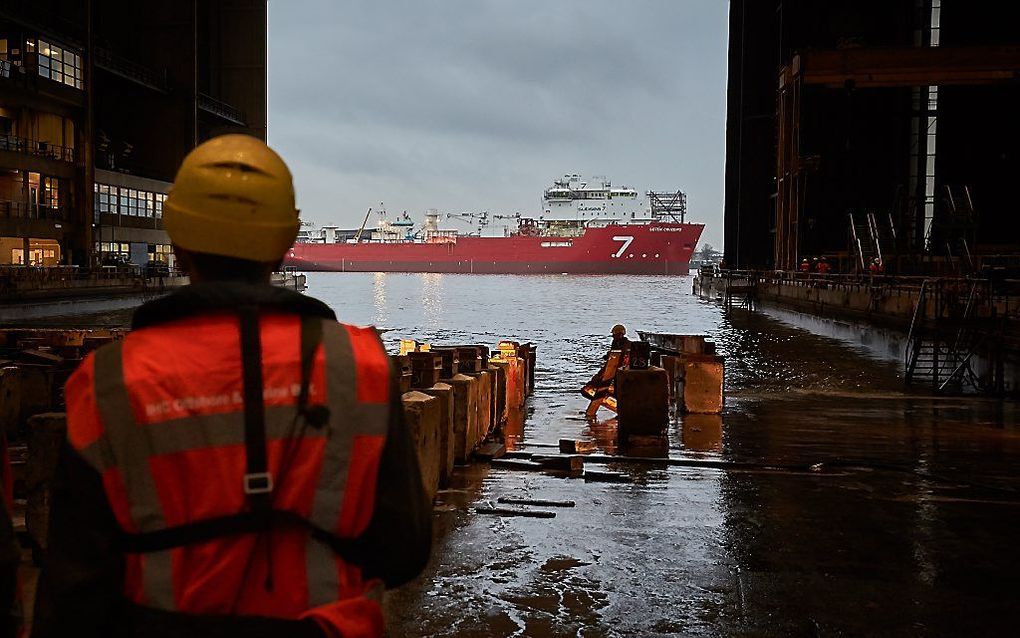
(479, 104)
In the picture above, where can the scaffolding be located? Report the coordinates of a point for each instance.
(668, 205)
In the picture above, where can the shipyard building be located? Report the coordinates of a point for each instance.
(99, 103)
(864, 129)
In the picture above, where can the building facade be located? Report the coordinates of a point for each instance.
(99, 102)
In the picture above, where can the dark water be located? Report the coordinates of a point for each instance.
(907, 528)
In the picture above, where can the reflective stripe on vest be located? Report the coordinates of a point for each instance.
(355, 363)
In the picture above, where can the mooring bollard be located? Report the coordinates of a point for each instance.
(444, 393)
(642, 403)
(422, 413)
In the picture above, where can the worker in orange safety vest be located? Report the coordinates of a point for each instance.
(238, 465)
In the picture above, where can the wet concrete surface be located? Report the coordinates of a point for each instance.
(905, 526)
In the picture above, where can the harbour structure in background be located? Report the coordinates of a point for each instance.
(888, 132)
(586, 227)
(871, 180)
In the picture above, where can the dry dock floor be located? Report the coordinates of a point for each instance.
(907, 528)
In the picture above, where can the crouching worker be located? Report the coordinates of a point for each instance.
(238, 465)
(601, 390)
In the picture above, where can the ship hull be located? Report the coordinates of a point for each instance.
(645, 249)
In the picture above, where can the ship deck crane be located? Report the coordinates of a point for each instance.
(482, 219)
(364, 222)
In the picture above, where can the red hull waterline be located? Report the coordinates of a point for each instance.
(637, 249)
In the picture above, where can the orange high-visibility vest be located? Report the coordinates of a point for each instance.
(165, 426)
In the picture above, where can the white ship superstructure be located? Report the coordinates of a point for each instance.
(593, 201)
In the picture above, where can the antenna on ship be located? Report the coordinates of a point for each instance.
(666, 204)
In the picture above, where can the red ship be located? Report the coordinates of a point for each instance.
(586, 229)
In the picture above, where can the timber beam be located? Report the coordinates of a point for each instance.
(905, 67)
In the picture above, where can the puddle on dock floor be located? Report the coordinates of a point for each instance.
(915, 536)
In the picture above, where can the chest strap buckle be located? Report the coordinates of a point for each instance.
(258, 483)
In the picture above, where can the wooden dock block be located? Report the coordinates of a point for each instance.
(465, 415)
(515, 388)
(46, 435)
(574, 446)
(490, 450)
(673, 365)
(703, 384)
(10, 399)
(642, 402)
(444, 392)
(422, 415)
(499, 406)
(572, 463)
(483, 406)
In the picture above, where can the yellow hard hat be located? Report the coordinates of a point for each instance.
(619, 330)
(233, 196)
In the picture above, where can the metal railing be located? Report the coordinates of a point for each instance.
(18, 279)
(23, 210)
(217, 107)
(39, 149)
(130, 70)
(797, 278)
(910, 351)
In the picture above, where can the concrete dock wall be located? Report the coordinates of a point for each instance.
(879, 312)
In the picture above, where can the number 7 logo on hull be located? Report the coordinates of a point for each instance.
(626, 239)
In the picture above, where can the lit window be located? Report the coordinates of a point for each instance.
(51, 192)
(57, 63)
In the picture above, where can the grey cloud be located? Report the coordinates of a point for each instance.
(478, 104)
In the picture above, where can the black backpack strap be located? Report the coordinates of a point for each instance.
(251, 522)
(258, 481)
(311, 336)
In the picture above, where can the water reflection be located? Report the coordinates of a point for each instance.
(382, 317)
(702, 432)
(513, 429)
(916, 531)
(604, 433)
(432, 299)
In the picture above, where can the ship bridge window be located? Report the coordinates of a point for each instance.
(557, 244)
